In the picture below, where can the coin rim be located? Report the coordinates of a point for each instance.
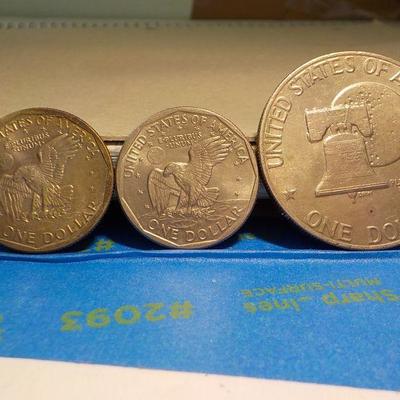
(108, 188)
(264, 174)
(135, 221)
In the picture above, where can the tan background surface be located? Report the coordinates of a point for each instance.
(116, 74)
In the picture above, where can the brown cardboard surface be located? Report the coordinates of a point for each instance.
(116, 74)
(296, 9)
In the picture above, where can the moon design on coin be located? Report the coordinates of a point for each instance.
(184, 192)
(383, 105)
(156, 155)
(331, 131)
(6, 162)
(48, 197)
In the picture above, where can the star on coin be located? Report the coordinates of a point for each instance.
(140, 191)
(188, 180)
(41, 194)
(289, 194)
(352, 121)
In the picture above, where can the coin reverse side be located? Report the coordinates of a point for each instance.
(329, 148)
(56, 179)
(187, 178)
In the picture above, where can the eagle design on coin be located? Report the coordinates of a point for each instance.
(191, 178)
(36, 189)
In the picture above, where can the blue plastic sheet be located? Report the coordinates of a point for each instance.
(270, 302)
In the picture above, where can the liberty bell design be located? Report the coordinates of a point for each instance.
(347, 166)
